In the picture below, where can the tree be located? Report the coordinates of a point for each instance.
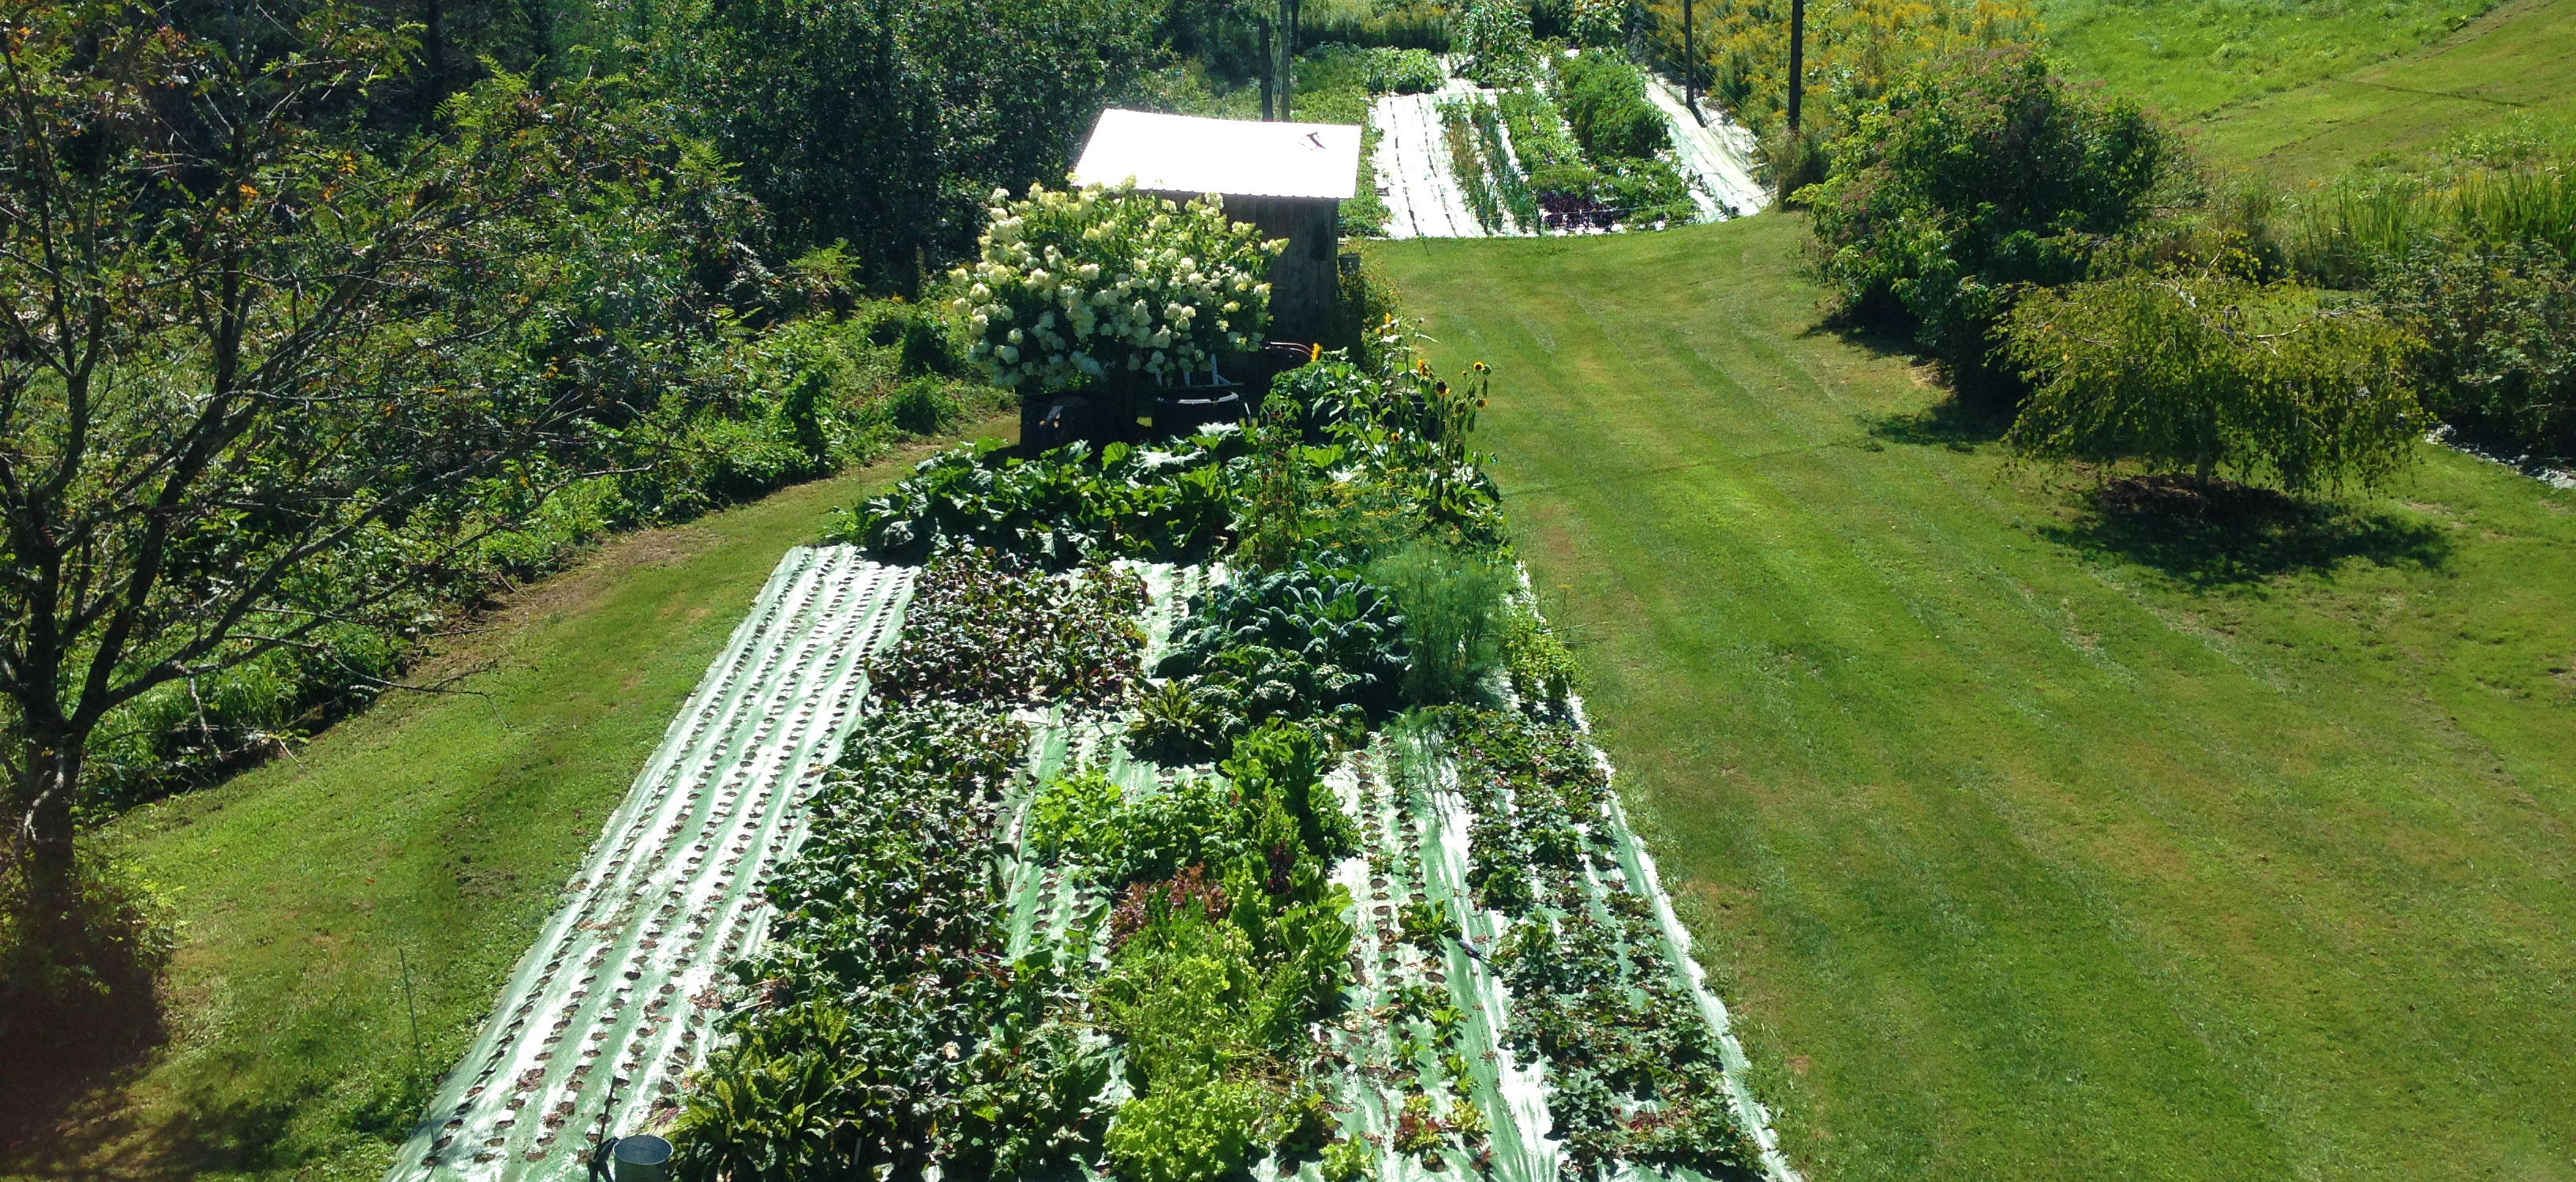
(882, 125)
(254, 378)
(2201, 373)
(1974, 179)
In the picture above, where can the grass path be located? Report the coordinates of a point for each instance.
(438, 830)
(2039, 845)
(2519, 59)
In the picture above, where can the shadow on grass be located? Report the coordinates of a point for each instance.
(2225, 533)
(1953, 423)
(1880, 329)
(61, 1062)
(71, 1113)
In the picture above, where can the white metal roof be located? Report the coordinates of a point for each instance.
(1186, 154)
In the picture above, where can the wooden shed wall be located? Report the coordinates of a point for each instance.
(1305, 281)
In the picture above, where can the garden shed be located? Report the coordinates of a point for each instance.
(1290, 179)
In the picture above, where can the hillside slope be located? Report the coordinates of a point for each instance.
(2045, 843)
(351, 912)
(2517, 60)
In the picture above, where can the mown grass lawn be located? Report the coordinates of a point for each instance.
(434, 830)
(2517, 61)
(2190, 57)
(2035, 843)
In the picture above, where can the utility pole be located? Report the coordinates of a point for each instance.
(1797, 57)
(1269, 67)
(1690, 67)
(1288, 59)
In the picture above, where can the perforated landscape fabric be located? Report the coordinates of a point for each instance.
(1424, 199)
(604, 1014)
(1413, 821)
(1412, 170)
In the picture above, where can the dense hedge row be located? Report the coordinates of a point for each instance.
(757, 413)
(2062, 255)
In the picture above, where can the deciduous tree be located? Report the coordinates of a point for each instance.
(248, 368)
(2204, 374)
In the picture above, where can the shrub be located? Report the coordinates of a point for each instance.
(1403, 71)
(2203, 374)
(922, 406)
(1794, 160)
(1494, 36)
(124, 933)
(2498, 325)
(1072, 286)
(1605, 99)
(1965, 185)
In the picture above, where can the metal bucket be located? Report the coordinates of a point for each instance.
(641, 1158)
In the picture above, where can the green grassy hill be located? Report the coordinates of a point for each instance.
(2189, 58)
(2519, 60)
(2039, 843)
(2298, 91)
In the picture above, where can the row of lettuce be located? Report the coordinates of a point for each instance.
(1199, 1018)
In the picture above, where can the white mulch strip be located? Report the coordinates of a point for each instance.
(609, 1007)
(1422, 196)
(1718, 155)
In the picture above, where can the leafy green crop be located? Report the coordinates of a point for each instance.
(1403, 71)
(1227, 945)
(1634, 1071)
(883, 1027)
(1304, 643)
(981, 629)
(1071, 506)
(1334, 620)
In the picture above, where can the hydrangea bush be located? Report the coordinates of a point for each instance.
(1077, 285)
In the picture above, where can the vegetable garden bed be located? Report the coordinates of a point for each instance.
(1513, 997)
(1132, 864)
(1583, 144)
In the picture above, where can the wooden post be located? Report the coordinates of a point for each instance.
(1797, 57)
(1690, 64)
